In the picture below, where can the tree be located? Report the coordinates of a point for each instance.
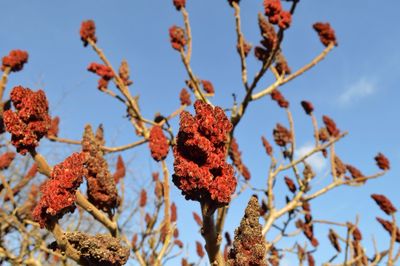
(80, 210)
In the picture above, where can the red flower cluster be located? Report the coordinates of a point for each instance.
(334, 239)
(105, 72)
(331, 126)
(143, 198)
(158, 144)
(58, 193)
(101, 188)
(355, 173)
(208, 86)
(236, 157)
(53, 130)
(325, 32)
(282, 135)
(201, 171)
(389, 228)
(178, 38)
(120, 171)
(6, 159)
(276, 14)
(88, 31)
(382, 162)
(15, 60)
(184, 96)
(267, 146)
(248, 245)
(307, 106)
(280, 99)
(384, 203)
(179, 4)
(290, 184)
(30, 122)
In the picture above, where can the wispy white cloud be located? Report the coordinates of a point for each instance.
(317, 161)
(362, 88)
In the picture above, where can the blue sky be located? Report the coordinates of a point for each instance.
(357, 84)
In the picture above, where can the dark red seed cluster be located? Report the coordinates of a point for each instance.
(177, 37)
(388, 226)
(277, 96)
(30, 121)
(208, 86)
(290, 184)
(276, 14)
(382, 162)
(105, 73)
(15, 60)
(158, 144)
(120, 170)
(197, 219)
(326, 33)
(184, 97)
(331, 126)
(88, 31)
(6, 159)
(384, 203)
(269, 41)
(201, 171)
(355, 173)
(236, 157)
(307, 106)
(199, 249)
(58, 193)
(282, 135)
(282, 66)
(101, 188)
(334, 239)
(179, 4)
(267, 146)
(249, 244)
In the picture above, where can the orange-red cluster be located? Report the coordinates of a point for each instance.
(389, 228)
(331, 126)
(282, 135)
(208, 86)
(290, 184)
(53, 130)
(267, 146)
(105, 73)
(276, 14)
(30, 121)
(58, 193)
(88, 31)
(179, 4)
(120, 171)
(6, 159)
(236, 156)
(326, 33)
(201, 171)
(184, 97)
(177, 37)
(158, 144)
(382, 162)
(280, 99)
(15, 60)
(384, 203)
